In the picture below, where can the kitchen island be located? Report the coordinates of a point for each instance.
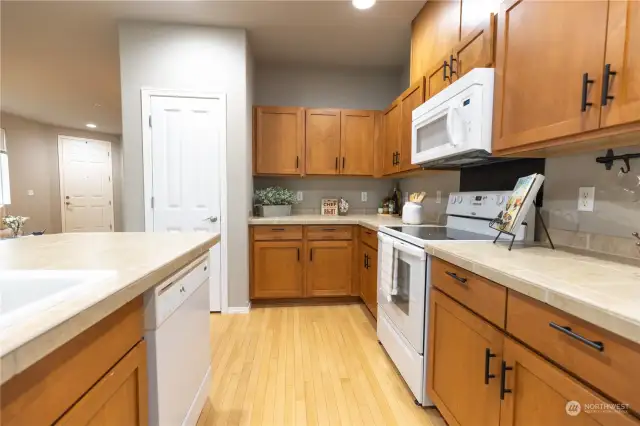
(71, 338)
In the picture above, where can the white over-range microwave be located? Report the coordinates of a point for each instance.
(453, 128)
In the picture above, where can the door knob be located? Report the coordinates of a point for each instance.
(212, 219)
(67, 203)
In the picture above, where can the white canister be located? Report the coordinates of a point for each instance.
(412, 213)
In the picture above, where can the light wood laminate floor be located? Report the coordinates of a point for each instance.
(306, 365)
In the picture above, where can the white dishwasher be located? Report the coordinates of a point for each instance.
(178, 346)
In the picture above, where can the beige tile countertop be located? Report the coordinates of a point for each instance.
(602, 292)
(371, 221)
(137, 262)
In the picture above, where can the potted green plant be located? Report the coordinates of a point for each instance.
(274, 201)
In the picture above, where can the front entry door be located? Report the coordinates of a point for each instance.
(86, 186)
(186, 134)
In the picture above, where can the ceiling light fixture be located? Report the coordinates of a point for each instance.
(363, 4)
(91, 125)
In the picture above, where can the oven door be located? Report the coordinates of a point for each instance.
(406, 310)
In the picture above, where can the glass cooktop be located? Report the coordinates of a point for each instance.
(440, 233)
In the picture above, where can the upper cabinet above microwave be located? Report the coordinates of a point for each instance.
(553, 89)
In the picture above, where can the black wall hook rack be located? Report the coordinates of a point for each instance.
(608, 160)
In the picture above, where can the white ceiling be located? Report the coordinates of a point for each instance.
(59, 59)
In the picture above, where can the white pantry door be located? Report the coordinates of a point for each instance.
(186, 134)
(86, 187)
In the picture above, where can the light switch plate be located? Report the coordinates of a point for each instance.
(586, 199)
(299, 196)
(363, 197)
(438, 197)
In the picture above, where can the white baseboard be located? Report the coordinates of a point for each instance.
(239, 309)
(199, 401)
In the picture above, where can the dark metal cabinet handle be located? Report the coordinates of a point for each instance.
(336, 163)
(451, 61)
(297, 161)
(366, 261)
(298, 249)
(311, 255)
(329, 229)
(585, 83)
(606, 79)
(456, 277)
(343, 161)
(599, 346)
(487, 366)
(277, 229)
(444, 71)
(503, 380)
(394, 159)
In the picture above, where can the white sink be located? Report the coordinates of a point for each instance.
(37, 289)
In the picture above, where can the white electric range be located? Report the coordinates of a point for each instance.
(401, 254)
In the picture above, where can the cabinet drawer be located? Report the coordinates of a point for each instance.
(369, 237)
(328, 232)
(277, 232)
(613, 369)
(476, 293)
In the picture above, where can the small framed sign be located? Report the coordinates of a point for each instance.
(329, 207)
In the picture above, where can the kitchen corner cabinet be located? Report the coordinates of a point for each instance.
(412, 98)
(322, 142)
(279, 140)
(465, 354)
(278, 269)
(329, 268)
(368, 264)
(620, 96)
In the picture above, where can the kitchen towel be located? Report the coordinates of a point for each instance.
(388, 267)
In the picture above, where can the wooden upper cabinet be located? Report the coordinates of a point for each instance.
(464, 358)
(391, 138)
(474, 13)
(378, 137)
(475, 50)
(279, 140)
(322, 141)
(357, 142)
(434, 33)
(412, 98)
(277, 269)
(119, 398)
(438, 77)
(622, 58)
(329, 268)
(539, 393)
(548, 70)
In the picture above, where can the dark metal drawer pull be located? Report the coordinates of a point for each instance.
(487, 366)
(278, 229)
(456, 277)
(503, 380)
(585, 82)
(298, 254)
(329, 229)
(599, 346)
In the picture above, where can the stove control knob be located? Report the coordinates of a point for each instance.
(460, 199)
(500, 200)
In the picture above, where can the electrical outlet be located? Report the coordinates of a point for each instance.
(586, 199)
(30, 192)
(299, 196)
(438, 197)
(363, 196)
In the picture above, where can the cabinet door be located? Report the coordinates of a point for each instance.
(622, 58)
(364, 273)
(277, 269)
(544, 49)
(322, 141)
(329, 268)
(372, 281)
(476, 49)
(434, 32)
(378, 136)
(119, 398)
(438, 77)
(412, 98)
(391, 139)
(357, 142)
(538, 393)
(279, 140)
(464, 356)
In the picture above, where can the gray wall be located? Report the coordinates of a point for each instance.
(318, 87)
(446, 182)
(315, 189)
(33, 165)
(199, 59)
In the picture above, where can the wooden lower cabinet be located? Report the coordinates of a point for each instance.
(368, 265)
(277, 269)
(464, 359)
(329, 268)
(119, 398)
(538, 393)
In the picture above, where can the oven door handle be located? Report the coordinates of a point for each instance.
(409, 249)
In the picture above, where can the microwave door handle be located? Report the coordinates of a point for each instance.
(452, 139)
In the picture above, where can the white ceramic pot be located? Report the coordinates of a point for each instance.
(412, 213)
(275, 211)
